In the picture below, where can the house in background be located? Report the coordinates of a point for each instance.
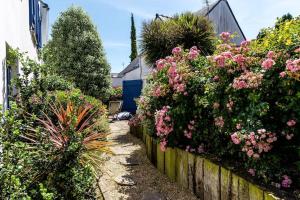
(135, 74)
(24, 26)
(223, 19)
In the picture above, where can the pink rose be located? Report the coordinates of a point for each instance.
(268, 63)
(235, 138)
(176, 51)
(282, 74)
(291, 123)
(225, 36)
(289, 136)
(286, 182)
(250, 153)
(252, 172)
(270, 54)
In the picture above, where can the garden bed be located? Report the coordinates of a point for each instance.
(199, 174)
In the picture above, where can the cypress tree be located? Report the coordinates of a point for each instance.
(134, 53)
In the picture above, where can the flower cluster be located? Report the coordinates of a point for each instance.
(176, 80)
(159, 91)
(188, 133)
(164, 125)
(134, 121)
(247, 80)
(255, 143)
(286, 182)
(219, 122)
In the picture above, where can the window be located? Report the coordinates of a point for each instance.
(35, 21)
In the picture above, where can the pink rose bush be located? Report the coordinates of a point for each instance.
(240, 105)
(164, 125)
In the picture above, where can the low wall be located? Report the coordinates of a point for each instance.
(206, 179)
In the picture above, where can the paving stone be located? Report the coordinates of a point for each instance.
(124, 181)
(128, 162)
(153, 196)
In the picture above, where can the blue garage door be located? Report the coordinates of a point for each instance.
(131, 90)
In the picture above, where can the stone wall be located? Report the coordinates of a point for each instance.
(206, 179)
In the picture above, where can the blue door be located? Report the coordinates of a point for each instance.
(131, 90)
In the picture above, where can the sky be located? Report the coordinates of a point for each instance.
(112, 18)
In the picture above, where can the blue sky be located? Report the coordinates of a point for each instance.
(112, 18)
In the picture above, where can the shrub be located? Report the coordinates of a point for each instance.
(56, 155)
(75, 53)
(116, 94)
(186, 30)
(238, 105)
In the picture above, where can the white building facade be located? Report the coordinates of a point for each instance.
(24, 26)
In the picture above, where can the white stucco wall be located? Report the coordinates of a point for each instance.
(132, 75)
(139, 73)
(14, 31)
(117, 81)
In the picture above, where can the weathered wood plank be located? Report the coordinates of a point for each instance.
(160, 157)
(182, 168)
(149, 147)
(243, 189)
(226, 182)
(153, 153)
(255, 193)
(211, 181)
(235, 187)
(170, 160)
(191, 171)
(199, 187)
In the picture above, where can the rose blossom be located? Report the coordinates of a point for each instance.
(268, 63)
(225, 36)
(220, 60)
(219, 121)
(270, 54)
(282, 74)
(289, 136)
(235, 138)
(291, 123)
(252, 172)
(176, 51)
(286, 182)
(194, 53)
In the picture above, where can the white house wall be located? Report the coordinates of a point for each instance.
(224, 21)
(14, 21)
(132, 75)
(117, 81)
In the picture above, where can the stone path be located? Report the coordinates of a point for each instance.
(129, 175)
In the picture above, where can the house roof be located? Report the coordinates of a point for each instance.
(132, 66)
(206, 11)
(115, 75)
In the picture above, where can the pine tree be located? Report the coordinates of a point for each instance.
(134, 53)
(75, 52)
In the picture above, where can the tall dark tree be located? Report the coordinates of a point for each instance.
(134, 52)
(75, 52)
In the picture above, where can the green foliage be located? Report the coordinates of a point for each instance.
(116, 93)
(279, 21)
(32, 167)
(134, 52)
(283, 19)
(240, 105)
(75, 53)
(159, 37)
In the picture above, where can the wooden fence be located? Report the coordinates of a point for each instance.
(206, 179)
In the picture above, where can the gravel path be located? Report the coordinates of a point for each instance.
(128, 174)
